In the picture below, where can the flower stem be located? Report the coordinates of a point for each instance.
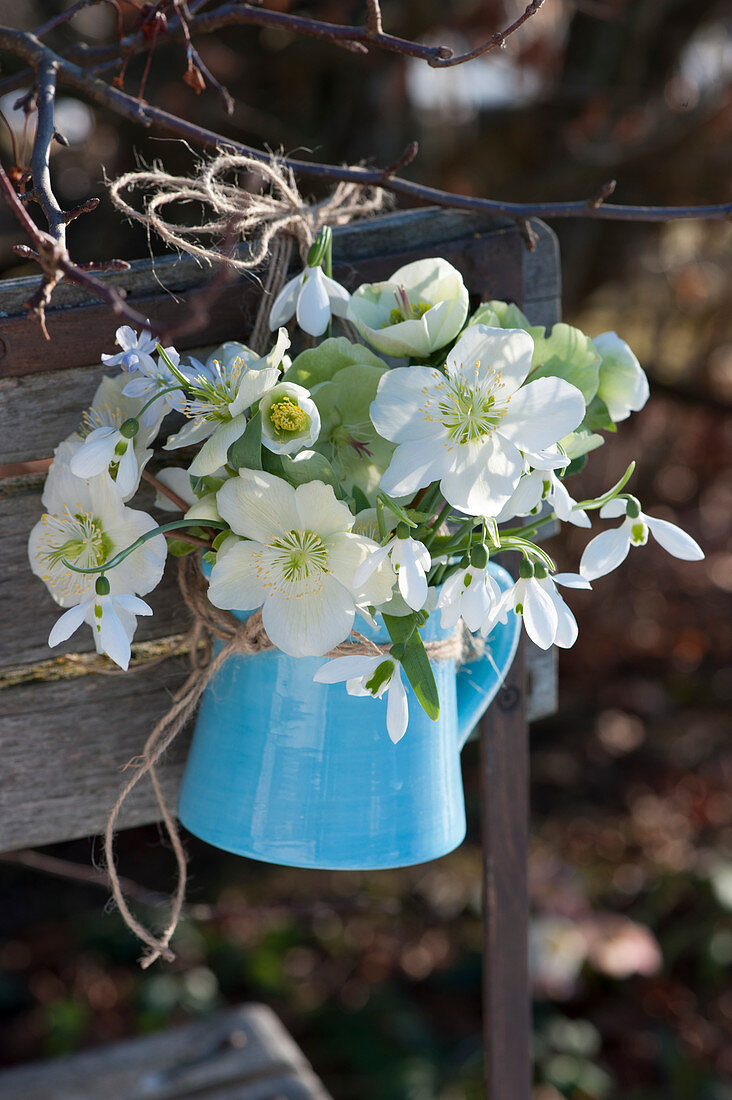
(174, 525)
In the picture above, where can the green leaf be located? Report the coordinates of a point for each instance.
(271, 462)
(309, 466)
(567, 353)
(246, 451)
(498, 314)
(202, 486)
(321, 364)
(415, 662)
(178, 549)
(580, 443)
(360, 500)
(597, 418)
(397, 509)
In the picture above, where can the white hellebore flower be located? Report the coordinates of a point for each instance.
(606, 551)
(534, 596)
(466, 429)
(410, 558)
(300, 564)
(113, 620)
(471, 594)
(136, 351)
(623, 384)
(312, 296)
(372, 676)
(420, 309)
(87, 524)
(219, 394)
(290, 419)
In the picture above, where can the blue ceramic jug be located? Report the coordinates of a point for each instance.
(288, 771)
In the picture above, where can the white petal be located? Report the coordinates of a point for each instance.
(308, 623)
(341, 669)
(96, 453)
(540, 615)
(605, 552)
(284, 304)
(195, 431)
(542, 412)
(70, 621)
(567, 629)
(338, 296)
(674, 540)
(483, 476)
(313, 306)
(411, 575)
(416, 464)
(112, 635)
(397, 708)
(236, 582)
(398, 412)
(370, 565)
(319, 510)
(258, 505)
(571, 580)
(507, 351)
(133, 604)
(212, 455)
(128, 473)
(253, 385)
(614, 508)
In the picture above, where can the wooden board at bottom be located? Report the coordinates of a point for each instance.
(243, 1053)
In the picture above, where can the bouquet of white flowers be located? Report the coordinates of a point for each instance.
(351, 479)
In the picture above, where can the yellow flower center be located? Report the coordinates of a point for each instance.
(287, 416)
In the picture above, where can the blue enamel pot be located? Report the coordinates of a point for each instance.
(288, 771)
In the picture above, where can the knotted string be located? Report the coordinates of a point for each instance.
(270, 222)
(238, 639)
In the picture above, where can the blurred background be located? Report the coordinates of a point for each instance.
(378, 975)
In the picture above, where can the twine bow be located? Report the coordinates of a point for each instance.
(237, 638)
(270, 221)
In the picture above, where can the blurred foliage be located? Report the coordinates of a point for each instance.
(378, 975)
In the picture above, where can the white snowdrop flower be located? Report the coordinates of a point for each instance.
(136, 353)
(312, 296)
(623, 384)
(607, 550)
(470, 593)
(372, 676)
(411, 560)
(113, 620)
(87, 524)
(420, 309)
(105, 447)
(538, 486)
(299, 564)
(218, 395)
(467, 428)
(547, 619)
(290, 419)
(153, 379)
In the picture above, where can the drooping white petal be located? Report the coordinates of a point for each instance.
(542, 412)
(110, 635)
(565, 506)
(338, 297)
(258, 505)
(397, 707)
(614, 508)
(571, 580)
(132, 604)
(69, 622)
(410, 557)
(369, 566)
(127, 472)
(605, 552)
(674, 540)
(341, 669)
(283, 307)
(540, 614)
(313, 307)
(96, 452)
(212, 455)
(567, 629)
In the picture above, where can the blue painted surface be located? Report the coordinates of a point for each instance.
(288, 771)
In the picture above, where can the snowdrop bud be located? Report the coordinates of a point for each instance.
(129, 428)
(102, 586)
(479, 556)
(540, 571)
(402, 531)
(526, 570)
(633, 508)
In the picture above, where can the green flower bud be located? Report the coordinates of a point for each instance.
(403, 531)
(479, 556)
(102, 586)
(540, 571)
(130, 428)
(633, 508)
(526, 570)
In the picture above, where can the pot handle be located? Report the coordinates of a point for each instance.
(478, 681)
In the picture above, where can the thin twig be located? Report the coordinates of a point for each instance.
(64, 16)
(166, 491)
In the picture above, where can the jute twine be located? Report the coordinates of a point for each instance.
(271, 222)
(238, 639)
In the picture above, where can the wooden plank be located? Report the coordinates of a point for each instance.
(489, 257)
(239, 1054)
(64, 745)
(504, 768)
(27, 602)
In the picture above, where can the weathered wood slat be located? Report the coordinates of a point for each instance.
(239, 1054)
